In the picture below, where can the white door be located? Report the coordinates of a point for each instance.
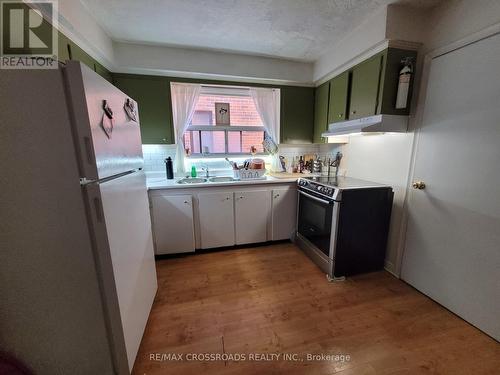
(216, 214)
(173, 226)
(252, 210)
(128, 224)
(453, 239)
(284, 213)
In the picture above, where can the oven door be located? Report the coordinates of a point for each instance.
(314, 220)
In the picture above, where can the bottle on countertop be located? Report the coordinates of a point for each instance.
(169, 167)
(301, 164)
(293, 165)
(193, 171)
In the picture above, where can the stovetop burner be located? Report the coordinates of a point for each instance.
(344, 182)
(330, 186)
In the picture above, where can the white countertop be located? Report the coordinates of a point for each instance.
(158, 180)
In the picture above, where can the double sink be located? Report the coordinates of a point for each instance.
(198, 180)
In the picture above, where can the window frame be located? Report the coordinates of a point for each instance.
(223, 91)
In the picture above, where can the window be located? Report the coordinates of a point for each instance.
(245, 130)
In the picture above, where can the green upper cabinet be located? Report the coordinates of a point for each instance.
(155, 109)
(365, 88)
(297, 114)
(321, 95)
(339, 89)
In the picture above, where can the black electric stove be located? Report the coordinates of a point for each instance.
(343, 223)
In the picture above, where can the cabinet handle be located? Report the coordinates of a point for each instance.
(186, 202)
(340, 115)
(276, 196)
(241, 196)
(227, 198)
(353, 112)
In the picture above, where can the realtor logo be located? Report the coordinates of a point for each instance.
(28, 34)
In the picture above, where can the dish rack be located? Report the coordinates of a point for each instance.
(249, 174)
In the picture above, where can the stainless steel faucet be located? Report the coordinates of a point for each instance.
(207, 173)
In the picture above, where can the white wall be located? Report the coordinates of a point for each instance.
(77, 24)
(383, 158)
(368, 37)
(395, 25)
(456, 19)
(152, 59)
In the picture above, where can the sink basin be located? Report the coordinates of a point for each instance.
(221, 179)
(193, 180)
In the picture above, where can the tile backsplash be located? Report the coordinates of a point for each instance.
(154, 155)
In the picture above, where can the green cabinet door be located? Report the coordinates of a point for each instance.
(321, 111)
(297, 114)
(339, 88)
(155, 107)
(365, 88)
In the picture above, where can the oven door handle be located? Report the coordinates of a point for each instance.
(315, 198)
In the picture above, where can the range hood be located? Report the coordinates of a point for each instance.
(371, 124)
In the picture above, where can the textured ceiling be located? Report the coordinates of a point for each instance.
(291, 29)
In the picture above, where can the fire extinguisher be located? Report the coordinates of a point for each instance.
(404, 83)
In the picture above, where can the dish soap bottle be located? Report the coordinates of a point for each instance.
(193, 171)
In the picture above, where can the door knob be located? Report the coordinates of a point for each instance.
(419, 185)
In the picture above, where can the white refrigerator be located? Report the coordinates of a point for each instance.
(77, 277)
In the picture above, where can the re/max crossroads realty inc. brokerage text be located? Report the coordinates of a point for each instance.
(252, 357)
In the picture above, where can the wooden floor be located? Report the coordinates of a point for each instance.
(272, 299)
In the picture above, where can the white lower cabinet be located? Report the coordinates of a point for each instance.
(216, 218)
(251, 215)
(173, 225)
(284, 213)
(205, 218)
